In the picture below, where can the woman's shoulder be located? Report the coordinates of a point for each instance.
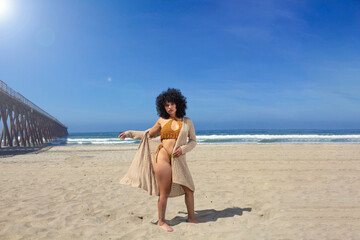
(187, 119)
(161, 120)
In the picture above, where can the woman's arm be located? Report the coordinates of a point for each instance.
(155, 129)
(140, 134)
(135, 134)
(131, 134)
(192, 138)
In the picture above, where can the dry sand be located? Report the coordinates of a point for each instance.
(243, 191)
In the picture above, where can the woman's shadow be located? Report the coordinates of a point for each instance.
(209, 215)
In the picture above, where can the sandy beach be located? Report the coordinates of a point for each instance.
(243, 191)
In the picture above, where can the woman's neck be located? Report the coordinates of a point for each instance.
(175, 118)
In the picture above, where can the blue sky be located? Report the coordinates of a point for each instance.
(99, 65)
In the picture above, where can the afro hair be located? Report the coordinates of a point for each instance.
(174, 96)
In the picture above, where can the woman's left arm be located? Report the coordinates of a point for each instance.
(192, 138)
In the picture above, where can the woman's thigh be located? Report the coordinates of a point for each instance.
(163, 172)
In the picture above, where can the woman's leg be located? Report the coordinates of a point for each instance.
(189, 201)
(162, 168)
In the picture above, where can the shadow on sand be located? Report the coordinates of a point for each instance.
(208, 215)
(13, 151)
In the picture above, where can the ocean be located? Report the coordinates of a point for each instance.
(260, 136)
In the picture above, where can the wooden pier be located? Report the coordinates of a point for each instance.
(24, 123)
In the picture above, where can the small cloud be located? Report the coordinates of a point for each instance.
(109, 79)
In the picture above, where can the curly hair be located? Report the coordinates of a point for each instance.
(174, 96)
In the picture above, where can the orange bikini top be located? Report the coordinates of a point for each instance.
(167, 132)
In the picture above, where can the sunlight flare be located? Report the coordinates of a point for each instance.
(4, 9)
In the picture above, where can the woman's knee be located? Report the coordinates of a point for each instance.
(187, 190)
(164, 195)
(189, 193)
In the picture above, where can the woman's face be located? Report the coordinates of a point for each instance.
(170, 108)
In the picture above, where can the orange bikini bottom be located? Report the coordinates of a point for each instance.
(158, 150)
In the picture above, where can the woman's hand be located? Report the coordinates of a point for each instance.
(122, 136)
(177, 152)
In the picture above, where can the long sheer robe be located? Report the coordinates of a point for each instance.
(141, 172)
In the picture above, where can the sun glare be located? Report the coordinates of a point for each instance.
(4, 8)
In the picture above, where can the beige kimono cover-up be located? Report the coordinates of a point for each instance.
(141, 173)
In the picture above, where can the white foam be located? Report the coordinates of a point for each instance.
(244, 138)
(268, 136)
(94, 139)
(101, 141)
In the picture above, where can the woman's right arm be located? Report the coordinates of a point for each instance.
(155, 129)
(139, 134)
(131, 134)
(192, 138)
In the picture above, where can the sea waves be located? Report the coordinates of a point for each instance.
(226, 136)
(276, 138)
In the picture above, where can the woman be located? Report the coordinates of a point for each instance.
(164, 172)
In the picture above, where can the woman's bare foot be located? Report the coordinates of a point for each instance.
(193, 220)
(165, 227)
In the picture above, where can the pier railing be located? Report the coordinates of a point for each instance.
(24, 123)
(17, 96)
